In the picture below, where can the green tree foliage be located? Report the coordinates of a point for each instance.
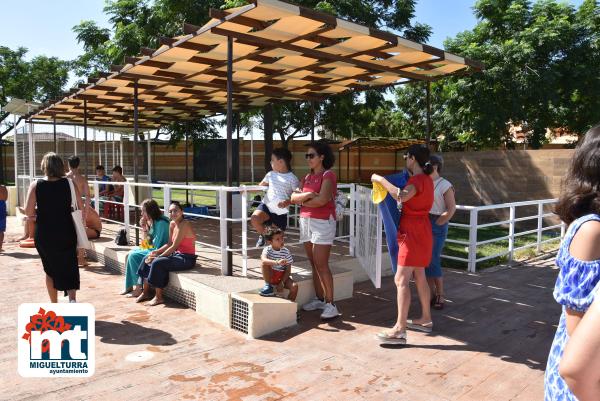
(541, 72)
(39, 79)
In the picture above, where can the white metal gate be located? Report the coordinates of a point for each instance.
(368, 235)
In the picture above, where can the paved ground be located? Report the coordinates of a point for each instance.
(490, 343)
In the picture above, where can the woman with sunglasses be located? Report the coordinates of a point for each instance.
(415, 242)
(317, 224)
(176, 255)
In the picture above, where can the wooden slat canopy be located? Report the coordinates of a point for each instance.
(280, 52)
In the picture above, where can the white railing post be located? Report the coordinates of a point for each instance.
(540, 223)
(166, 198)
(97, 197)
(223, 225)
(192, 198)
(378, 244)
(511, 234)
(472, 267)
(352, 217)
(126, 207)
(244, 197)
(563, 229)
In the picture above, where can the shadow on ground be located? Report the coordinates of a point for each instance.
(509, 313)
(130, 333)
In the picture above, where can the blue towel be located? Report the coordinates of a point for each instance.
(391, 216)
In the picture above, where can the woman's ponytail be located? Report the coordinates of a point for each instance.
(427, 168)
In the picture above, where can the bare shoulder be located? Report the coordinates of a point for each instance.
(586, 242)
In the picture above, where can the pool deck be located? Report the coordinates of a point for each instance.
(490, 343)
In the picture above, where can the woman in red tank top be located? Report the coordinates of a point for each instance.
(176, 255)
(415, 242)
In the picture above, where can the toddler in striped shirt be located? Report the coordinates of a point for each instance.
(277, 265)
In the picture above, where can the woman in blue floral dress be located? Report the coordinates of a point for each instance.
(578, 257)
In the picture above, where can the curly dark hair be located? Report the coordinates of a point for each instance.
(421, 154)
(152, 210)
(324, 150)
(271, 232)
(580, 193)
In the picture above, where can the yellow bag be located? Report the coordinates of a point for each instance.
(379, 193)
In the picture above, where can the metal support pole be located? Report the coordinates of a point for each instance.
(228, 268)
(348, 164)
(540, 224)
(511, 234)
(428, 92)
(312, 121)
(395, 161)
(75, 141)
(54, 130)
(135, 155)
(85, 153)
(252, 154)
(359, 162)
(20, 202)
(149, 150)
(187, 169)
(244, 232)
(472, 266)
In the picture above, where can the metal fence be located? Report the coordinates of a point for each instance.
(347, 231)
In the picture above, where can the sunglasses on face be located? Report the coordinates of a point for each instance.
(310, 156)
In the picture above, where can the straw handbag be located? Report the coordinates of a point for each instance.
(82, 239)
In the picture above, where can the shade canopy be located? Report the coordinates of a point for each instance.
(392, 144)
(280, 52)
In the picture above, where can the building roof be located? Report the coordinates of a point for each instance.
(393, 144)
(280, 52)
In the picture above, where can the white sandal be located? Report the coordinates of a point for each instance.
(422, 327)
(389, 337)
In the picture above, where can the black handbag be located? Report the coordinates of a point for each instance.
(121, 238)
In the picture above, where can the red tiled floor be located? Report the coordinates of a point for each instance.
(490, 343)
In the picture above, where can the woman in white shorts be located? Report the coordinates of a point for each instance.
(318, 225)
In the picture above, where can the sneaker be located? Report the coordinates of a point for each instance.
(267, 291)
(314, 304)
(330, 311)
(261, 241)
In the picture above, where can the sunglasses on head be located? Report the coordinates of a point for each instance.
(405, 156)
(310, 155)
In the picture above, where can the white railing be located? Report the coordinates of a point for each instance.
(475, 227)
(220, 211)
(348, 236)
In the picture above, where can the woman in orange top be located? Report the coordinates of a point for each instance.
(415, 242)
(176, 255)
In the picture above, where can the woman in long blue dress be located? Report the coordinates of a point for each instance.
(578, 257)
(158, 233)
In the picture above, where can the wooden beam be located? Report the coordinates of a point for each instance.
(312, 53)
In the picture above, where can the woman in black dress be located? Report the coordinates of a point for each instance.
(55, 237)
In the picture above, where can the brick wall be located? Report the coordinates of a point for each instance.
(485, 177)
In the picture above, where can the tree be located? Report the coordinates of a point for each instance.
(541, 72)
(38, 80)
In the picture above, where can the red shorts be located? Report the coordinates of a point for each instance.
(276, 276)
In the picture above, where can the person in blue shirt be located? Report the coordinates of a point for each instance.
(103, 189)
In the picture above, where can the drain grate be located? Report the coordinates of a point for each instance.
(239, 315)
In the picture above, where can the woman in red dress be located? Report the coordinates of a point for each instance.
(415, 242)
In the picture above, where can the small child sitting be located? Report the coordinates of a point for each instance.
(277, 265)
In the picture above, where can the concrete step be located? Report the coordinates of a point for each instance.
(231, 301)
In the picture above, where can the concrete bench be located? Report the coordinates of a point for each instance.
(231, 301)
